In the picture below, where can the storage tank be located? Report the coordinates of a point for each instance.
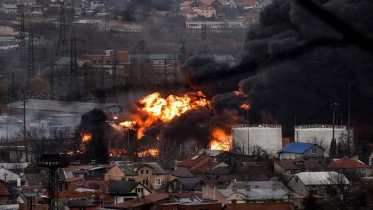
(267, 136)
(321, 134)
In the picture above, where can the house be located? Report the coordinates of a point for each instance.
(150, 174)
(353, 165)
(192, 204)
(227, 196)
(8, 176)
(225, 59)
(114, 173)
(187, 5)
(36, 179)
(147, 202)
(250, 4)
(258, 206)
(182, 185)
(127, 190)
(79, 205)
(188, 14)
(300, 150)
(193, 161)
(8, 8)
(270, 184)
(4, 194)
(172, 174)
(211, 3)
(156, 59)
(290, 167)
(27, 2)
(207, 12)
(98, 198)
(316, 182)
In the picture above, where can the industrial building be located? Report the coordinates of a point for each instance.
(266, 136)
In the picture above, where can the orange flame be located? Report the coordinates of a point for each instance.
(163, 110)
(220, 141)
(86, 137)
(128, 124)
(245, 106)
(149, 152)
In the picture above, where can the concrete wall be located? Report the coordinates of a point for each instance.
(269, 137)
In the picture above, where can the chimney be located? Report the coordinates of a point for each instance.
(274, 186)
(248, 187)
(356, 157)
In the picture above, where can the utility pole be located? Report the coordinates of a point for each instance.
(334, 106)
(114, 71)
(24, 125)
(13, 94)
(23, 37)
(30, 58)
(62, 25)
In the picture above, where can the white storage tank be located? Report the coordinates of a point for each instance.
(267, 136)
(321, 134)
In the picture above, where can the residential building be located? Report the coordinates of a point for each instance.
(127, 190)
(258, 206)
(227, 196)
(150, 174)
(193, 161)
(4, 194)
(291, 167)
(297, 150)
(172, 174)
(207, 12)
(188, 14)
(79, 205)
(250, 4)
(114, 173)
(229, 59)
(187, 5)
(351, 165)
(156, 59)
(316, 182)
(8, 8)
(183, 185)
(147, 202)
(9, 176)
(211, 3)
(193, 204)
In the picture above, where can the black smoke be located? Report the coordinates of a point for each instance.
(296, 63)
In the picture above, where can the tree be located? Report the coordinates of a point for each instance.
(39, 87)
(310, 202)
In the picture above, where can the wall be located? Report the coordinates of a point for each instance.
(151, 178)
(115, 173)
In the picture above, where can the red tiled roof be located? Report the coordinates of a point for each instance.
(84, 195)
(207, 2)
(248, 3)
(186, 3)
(205, 167)
(310, 164)
(259, 206)
(192, 160)
(3, 190)
(141, 201)
(347, 163)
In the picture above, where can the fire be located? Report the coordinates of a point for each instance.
(220, 141)
(149, 152)
(163, 110)
(245, 106)
(86, 137)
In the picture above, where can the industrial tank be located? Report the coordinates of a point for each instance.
(267, 136)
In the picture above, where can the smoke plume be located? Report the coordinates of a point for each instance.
(297, 63)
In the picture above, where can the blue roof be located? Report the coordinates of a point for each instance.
(296, 147)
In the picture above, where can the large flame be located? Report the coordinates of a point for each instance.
(163, 110)
(220, 140)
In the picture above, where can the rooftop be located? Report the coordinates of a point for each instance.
(296, 147)
(347, 163)
(256, 194)
(321, 178)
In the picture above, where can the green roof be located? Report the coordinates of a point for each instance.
(62, 61)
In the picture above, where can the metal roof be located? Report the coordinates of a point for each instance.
(62, 61)
(296, 147)
(256, 194)
(153, 56)
(321, 178)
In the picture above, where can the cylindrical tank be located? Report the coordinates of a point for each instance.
(249, 137)
(321, 134)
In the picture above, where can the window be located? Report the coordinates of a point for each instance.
(142, 171)
(296, 180)
(139, 190)
(145, 182)
(158, 181)
(313, 151)
(147, 171)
